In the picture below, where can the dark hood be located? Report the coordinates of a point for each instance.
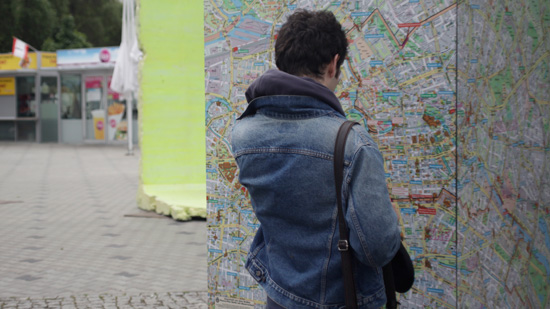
(275, 82)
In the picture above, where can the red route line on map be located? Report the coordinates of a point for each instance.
(425, 21)
(419, 197)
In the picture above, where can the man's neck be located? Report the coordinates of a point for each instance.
(323, 81)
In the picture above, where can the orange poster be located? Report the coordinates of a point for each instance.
(7, 85)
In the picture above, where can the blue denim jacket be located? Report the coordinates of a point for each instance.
(284, 148)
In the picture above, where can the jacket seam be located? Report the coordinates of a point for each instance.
(365, 138)
(257, 250)
(359, 232)
(351, 209)
(329, 256)
(306, 152)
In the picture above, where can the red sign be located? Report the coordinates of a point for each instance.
(93, 82)
(110, 92)
(104, 55)
(427, 211)
(405, 25)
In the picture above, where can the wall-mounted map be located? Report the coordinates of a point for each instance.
(504, 151)
(400, 81)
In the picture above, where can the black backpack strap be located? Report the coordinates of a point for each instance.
(343, 243)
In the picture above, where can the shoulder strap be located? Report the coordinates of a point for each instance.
(391, 299)
(343, 243)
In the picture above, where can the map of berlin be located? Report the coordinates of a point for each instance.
(400, 81)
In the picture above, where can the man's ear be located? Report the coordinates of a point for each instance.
(332, 66)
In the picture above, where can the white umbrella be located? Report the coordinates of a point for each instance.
(125, 80)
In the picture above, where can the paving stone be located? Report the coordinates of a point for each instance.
(28, 278)
(30, 260)
(65, 240)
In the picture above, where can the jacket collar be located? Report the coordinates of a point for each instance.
(277, 83)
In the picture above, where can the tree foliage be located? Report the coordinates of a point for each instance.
(34, 21)
(99, 20)
(66, 36)
(7, 24)
(59, 24)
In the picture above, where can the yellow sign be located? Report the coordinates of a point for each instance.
(48, 60)
(7, 85)
(10, 63)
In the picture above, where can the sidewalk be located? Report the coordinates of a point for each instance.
(71, 234)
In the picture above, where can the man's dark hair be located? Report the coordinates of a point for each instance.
(308, 41)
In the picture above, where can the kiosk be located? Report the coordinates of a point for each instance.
(28, 92)
(63, 97)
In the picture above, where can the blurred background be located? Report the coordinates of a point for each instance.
(49, 25)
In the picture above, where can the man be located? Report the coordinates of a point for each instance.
(283, 144)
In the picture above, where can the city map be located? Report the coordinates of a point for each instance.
(503, 129)
(400, 81)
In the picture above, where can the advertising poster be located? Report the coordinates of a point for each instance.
(87, 56)
(7, 85)
(8, 62)
(94, 108)
(48, 60)
(116, 116)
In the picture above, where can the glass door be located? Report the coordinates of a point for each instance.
(94, 108)
(49, 109)
(71, 126)
(25, 127)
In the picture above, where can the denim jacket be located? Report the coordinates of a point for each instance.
(284, 146)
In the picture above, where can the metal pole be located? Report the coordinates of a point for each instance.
(38, 95)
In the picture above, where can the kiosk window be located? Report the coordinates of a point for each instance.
(26, 102)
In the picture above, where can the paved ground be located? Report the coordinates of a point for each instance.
(71, 235)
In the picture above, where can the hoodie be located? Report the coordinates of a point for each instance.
(275, 82)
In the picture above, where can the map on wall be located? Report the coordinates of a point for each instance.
(504, 152)
(399, 81)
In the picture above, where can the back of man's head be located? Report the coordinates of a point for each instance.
(308, 41)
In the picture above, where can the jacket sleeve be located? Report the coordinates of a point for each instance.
(374, 231)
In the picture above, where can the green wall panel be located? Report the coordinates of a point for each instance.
(172, 98)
